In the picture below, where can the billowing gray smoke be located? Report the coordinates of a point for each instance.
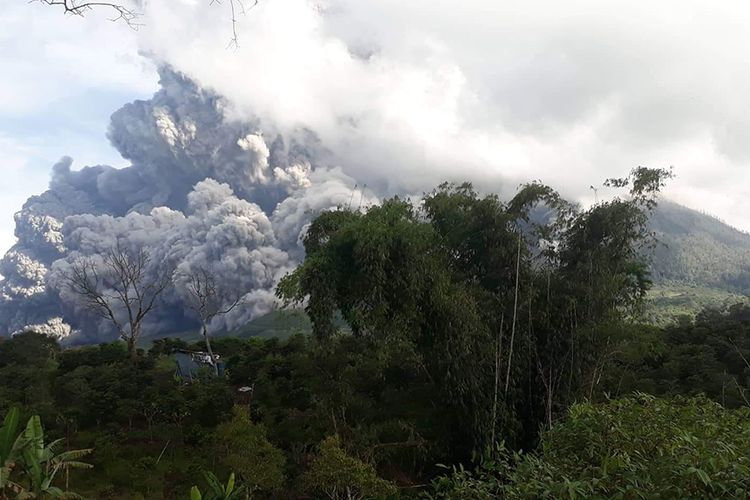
(202, 192)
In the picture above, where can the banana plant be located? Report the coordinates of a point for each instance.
(41, 463)
(216, 490)
(11, 445)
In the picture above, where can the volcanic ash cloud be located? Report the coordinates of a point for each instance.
(202, 192)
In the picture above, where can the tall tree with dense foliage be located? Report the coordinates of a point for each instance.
(447, 278)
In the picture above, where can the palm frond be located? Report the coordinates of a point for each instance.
(8, 433)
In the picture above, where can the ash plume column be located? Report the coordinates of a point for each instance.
(202, 192)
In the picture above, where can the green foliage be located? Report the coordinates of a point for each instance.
(27, 364)
(216, 490)
(670, 301)
(438, 280)
(41, 462)
(699, 250)
(706, 355)
(11, 444)
(376, 397)
(339, 475)
(246, 449)
(28, 466)
(641, 446)
(438, 329)
(637, 447)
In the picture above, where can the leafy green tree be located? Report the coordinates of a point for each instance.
(706, 355)
(27, 367)
(245, 448)
(341, 476)
(476, 288)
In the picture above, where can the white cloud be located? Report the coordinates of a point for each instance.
(407, 94)
(47, 57)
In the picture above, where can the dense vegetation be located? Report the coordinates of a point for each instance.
(638, 447)
(669, 301)
(459, 331)
(700, 251)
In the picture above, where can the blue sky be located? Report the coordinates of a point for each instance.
(61, 79)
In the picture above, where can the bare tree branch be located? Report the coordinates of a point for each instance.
(81, 7)
(207, 301)
(236, 7)
(130, 16)
(122, 285)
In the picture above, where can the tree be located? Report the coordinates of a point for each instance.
(41, 462)
(11, 444)
(205, 299)
(27, 364)
(441, 277)
(130, 16)
(343, 477)
(32, 464)
(247, 451)
(119, 286)
(387, 273)
(81, 7)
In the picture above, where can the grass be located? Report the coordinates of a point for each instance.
(668, 301)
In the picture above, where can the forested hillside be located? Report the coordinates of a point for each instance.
(699, 262)
(699, 249)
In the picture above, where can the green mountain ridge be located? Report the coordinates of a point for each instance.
(699, 261)
(699, 249)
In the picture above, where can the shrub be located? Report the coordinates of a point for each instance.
(340, 476)
(637, 447)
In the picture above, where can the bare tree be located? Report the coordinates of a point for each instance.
(130, 16)
(208, 302)
(235, 7)
(81, 7)
(122, 289)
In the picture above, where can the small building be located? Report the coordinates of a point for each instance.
(190, 363)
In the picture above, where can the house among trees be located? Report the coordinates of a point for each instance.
(191, 363)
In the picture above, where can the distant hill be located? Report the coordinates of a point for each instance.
(281, 323)
(699, 249)
(700, 261)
